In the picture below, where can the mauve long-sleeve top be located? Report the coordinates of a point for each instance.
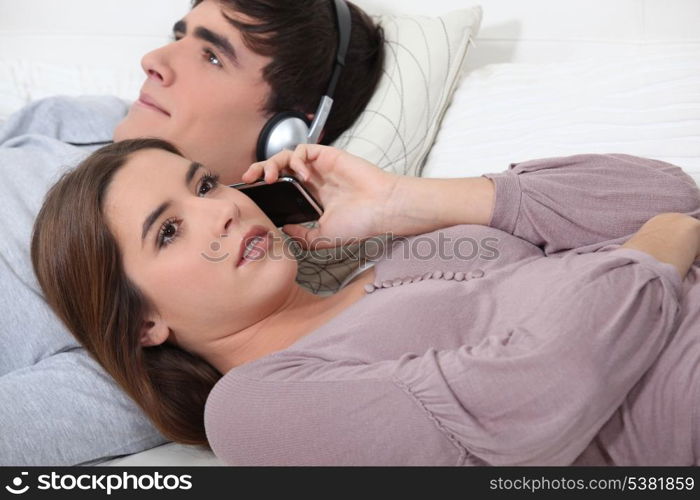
(535, 340)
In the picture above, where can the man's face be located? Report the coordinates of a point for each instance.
(204, 92)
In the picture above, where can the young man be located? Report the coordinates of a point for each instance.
(232, 66)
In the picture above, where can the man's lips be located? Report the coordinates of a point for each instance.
(149, 102)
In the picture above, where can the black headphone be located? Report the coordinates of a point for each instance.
(288, 129)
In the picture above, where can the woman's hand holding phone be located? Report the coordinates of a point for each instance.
(356, 195)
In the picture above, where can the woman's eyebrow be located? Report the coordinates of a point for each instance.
(219, 41)
(153, 216)
(191, 171)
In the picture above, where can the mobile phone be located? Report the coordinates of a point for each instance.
(285, 201)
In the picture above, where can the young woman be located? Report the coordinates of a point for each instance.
(464, 344)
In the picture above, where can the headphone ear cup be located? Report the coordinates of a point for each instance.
(282, 131)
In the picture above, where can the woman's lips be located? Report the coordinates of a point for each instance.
(147, 101)
(256, 231)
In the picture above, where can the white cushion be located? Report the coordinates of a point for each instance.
(22, 82)
(647, 105)
(424, 59)
(167, 455)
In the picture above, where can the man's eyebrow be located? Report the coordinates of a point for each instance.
(217, 40)
(153, 216)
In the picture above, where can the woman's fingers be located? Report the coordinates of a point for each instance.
(254, 172)
(311, 152)
(300, 168)
(274, 165)
(268, 169)
(284, 162)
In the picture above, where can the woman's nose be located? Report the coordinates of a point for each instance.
(156, 65)
(227, 217)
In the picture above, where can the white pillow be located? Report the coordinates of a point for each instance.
(645, 105)
(424, 60)
(22, 82)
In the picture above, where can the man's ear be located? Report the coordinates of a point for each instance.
(154, 331)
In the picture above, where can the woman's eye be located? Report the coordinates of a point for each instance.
(168, 232)
(208, 183)
(170, 229)
(212, 58)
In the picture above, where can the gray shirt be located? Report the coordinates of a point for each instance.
(511, 344)
(57, 406)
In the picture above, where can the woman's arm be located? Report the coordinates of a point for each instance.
(421, 205)
(556, 204)
(672, 238)
(360, 200)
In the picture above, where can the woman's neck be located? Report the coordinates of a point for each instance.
(301, 313)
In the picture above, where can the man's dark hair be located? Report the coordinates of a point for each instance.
(301, 37)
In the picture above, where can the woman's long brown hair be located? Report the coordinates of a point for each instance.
(79, 266)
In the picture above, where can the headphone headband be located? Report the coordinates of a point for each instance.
(342, 13)
(344, 25)
(286, 130)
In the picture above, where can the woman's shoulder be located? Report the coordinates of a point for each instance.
(234, 395)
(293, 409)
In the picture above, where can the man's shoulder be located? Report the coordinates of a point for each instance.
(37, 145)
(79, 120)
(85, 106)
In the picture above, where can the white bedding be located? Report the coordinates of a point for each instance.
(648, 105)
(167, 455)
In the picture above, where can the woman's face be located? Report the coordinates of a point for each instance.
(180, 235)
(204, 93)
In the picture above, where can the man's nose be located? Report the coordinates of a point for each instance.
(156, 65)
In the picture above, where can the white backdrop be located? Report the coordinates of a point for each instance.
(115, 33)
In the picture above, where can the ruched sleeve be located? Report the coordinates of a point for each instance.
(566, 203)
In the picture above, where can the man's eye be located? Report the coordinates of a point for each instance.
(212, 58)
